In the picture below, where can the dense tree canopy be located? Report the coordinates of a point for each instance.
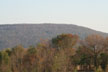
(64, 53)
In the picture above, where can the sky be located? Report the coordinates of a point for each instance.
(87, 13)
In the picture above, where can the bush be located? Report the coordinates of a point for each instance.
(99, 69)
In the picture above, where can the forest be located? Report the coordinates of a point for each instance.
(63, 53)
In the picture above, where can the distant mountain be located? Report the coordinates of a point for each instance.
(30, 34)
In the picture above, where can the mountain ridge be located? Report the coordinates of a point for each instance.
(30, 34)
(52, 24)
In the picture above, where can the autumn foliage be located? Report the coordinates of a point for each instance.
(64, 53)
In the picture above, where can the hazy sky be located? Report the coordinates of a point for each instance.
(88, 13)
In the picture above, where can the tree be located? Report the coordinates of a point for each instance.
(45, 55)
(96, 45)
(4, 62)
(65, 41)
(17, 58)
(83, 58)
(30, 60)
(64, 45)
(103, 60)
(60, 62)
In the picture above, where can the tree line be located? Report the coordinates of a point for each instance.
(64, 53)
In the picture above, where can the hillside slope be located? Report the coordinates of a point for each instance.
(30, 34)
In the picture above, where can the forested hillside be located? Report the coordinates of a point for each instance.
(63, 53)
(31, 34)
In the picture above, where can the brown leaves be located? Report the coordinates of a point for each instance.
(65, 41)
